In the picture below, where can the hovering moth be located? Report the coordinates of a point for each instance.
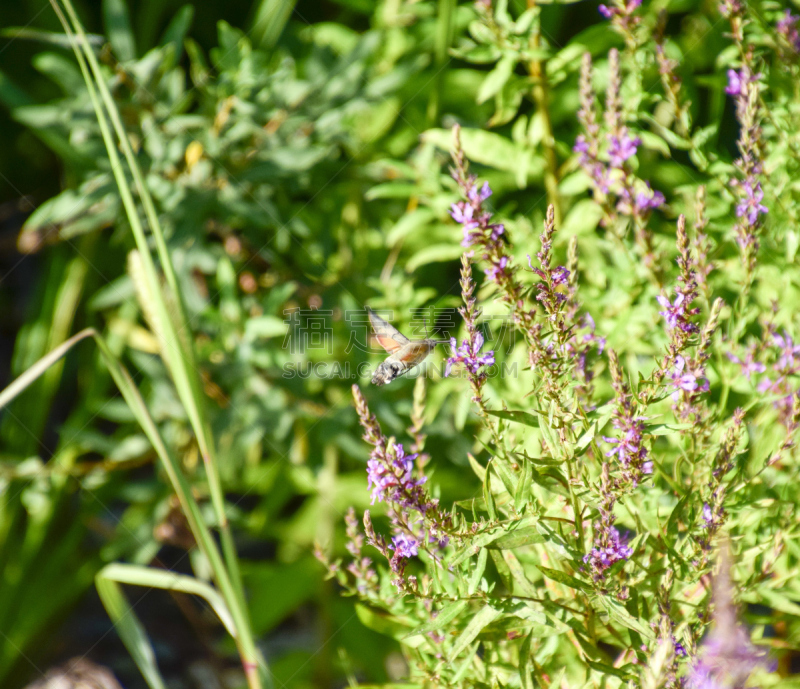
(404, 354)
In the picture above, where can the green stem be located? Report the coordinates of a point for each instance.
(541, 98)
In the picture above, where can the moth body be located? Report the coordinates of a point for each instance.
(404, 354)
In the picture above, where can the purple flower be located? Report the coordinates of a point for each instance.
(621, 148)
(730, 8)
(680, 649)
(628, 449)
(751, 205)
(649, 200)
(560, 275)
(474, 219)
(787, 27)
(687, 380)
(708, 515)
(623, 11)
(673, 312)
(463, 213)
(603, 555)
(787, 361)
(727, 659)
(477, 196)
(739, 82)
(497, 230)
(495, 270)
(749, 365)
(405, 545)
(581, 145)
(468, 355)
(735, 83)
(390, 476)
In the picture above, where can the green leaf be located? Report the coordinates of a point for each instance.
(480, 567)
(521, 585)
(176, 31)
(497, 78)
(516, 416)
(41, 366)
(446, 615)
(525, 676)
(622, 616)
(488, 496)
(654, 143)
(437, 253)
(543, 461)
(523, 490)
(493, 150)
(277, 590)
(480, 471)
(118, 28)
(563, 578)
(667, 428)
(484, 617)
(383, 623)
(677, 513)
(58, 40)
(611, 670)
(130, 630)
(518, 538)
(775, 600)
(271, 17)
(582, 218)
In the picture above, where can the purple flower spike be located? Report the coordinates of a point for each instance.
(748, 365)
(683, 378)
(727, 657)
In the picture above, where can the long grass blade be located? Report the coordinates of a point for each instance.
(181, 362)
(41, 367)
(175, 342)
(130, 629)
(137, 575)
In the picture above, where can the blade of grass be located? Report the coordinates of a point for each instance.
(270, 19)
(130, 629)
(181, 360)
(174, 330)
(138, 575)
(41, 366)
(117, 21)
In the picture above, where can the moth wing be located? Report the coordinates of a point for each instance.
(413, 352)
(389, 337)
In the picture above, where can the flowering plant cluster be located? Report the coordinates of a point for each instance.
(619, 476)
